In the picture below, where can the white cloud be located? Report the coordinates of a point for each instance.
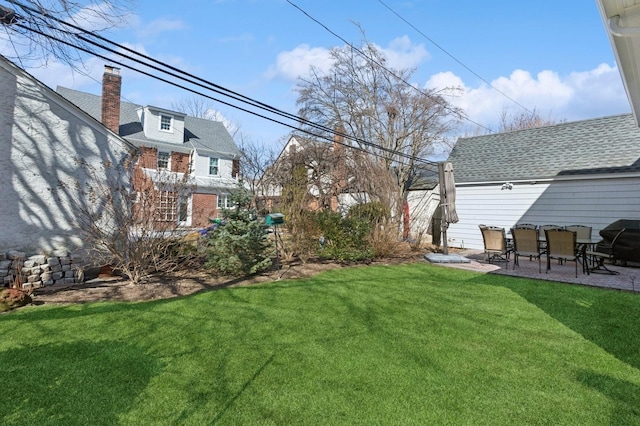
(294, 63)
(57, 73)
(98, 17)
(579, 95)
(158, 26)
(401, 53)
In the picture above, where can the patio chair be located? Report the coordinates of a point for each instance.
(602, 252)
(526, 225)
(583, 232)
(495, 243)
(542, 229)
(561, 245)
(525, 243)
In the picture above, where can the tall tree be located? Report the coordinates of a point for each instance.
(392, 122)
(32, 30)
(511, 121)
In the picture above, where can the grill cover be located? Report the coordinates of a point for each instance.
(627, 245)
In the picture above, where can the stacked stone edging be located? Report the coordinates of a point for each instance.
(36, 271)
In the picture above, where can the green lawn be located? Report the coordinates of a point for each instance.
(414, 344)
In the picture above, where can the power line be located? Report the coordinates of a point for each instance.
(453, 57)
(362, 54)
(177, 73)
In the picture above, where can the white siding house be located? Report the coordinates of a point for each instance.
(585, 172)
(42, 138)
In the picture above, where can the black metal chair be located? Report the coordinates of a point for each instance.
(603, 252)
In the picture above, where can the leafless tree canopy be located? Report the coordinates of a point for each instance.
(511, 121)
(33, 35)
(389, 119)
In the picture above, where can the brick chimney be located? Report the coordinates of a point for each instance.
(111, 84)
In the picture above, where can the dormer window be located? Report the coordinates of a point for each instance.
(166, 123)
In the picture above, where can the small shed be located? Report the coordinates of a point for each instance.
(584, 172)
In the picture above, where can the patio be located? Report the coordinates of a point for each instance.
(628, 278)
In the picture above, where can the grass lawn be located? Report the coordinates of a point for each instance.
(416, 344)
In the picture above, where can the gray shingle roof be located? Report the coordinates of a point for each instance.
(209, 138)
(601, 145)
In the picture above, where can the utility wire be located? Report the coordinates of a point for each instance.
(213, 87)
(367, 58)
(453, 57)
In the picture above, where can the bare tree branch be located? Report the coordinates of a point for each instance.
(30, 36)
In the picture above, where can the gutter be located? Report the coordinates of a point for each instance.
(616, 30)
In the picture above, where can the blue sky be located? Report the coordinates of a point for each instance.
(550, 55)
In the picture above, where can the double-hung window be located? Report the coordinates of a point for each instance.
(213, 166)
(163, 160)
(222, 201)
(166, 123)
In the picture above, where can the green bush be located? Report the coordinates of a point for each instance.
(238, 245)
(374, 212)
(344, 239)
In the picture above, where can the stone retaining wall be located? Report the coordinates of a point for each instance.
(36, 271)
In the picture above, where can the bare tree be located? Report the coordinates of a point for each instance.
(511, 121)
(130, 219)
(199, 107)
(37, 31)
(380, 112)
(256, 159)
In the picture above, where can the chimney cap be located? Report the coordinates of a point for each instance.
(110, 69)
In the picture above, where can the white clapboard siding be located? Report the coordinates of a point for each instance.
(422, 206)
(593, 202)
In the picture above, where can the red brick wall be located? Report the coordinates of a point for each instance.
(148, 158)
(179, 162)
(110, 102)
(204, 206)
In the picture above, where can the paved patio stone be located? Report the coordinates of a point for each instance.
(628, 278)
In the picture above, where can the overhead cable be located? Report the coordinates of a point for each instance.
(454, 58)
(377, 63)
(177, 73)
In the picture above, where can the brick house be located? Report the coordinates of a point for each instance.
(171, 144)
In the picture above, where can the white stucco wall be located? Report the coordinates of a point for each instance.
(42, 137)
(592, 201)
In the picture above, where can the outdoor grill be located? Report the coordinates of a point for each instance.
(627, 246)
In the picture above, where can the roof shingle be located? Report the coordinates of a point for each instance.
(208, 138)
(596, 146)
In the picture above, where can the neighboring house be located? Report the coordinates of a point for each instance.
(332, 172)
(325, 166)
(43, 137)
(585, 172)
(170, 143)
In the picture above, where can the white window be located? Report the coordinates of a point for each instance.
(167, 206)
(213, 166)
(222, 201)
(183, 208)
(166, 123)
(164, 159)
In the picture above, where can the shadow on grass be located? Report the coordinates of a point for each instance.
(72, 383)
(608, 318)
(626, 395)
